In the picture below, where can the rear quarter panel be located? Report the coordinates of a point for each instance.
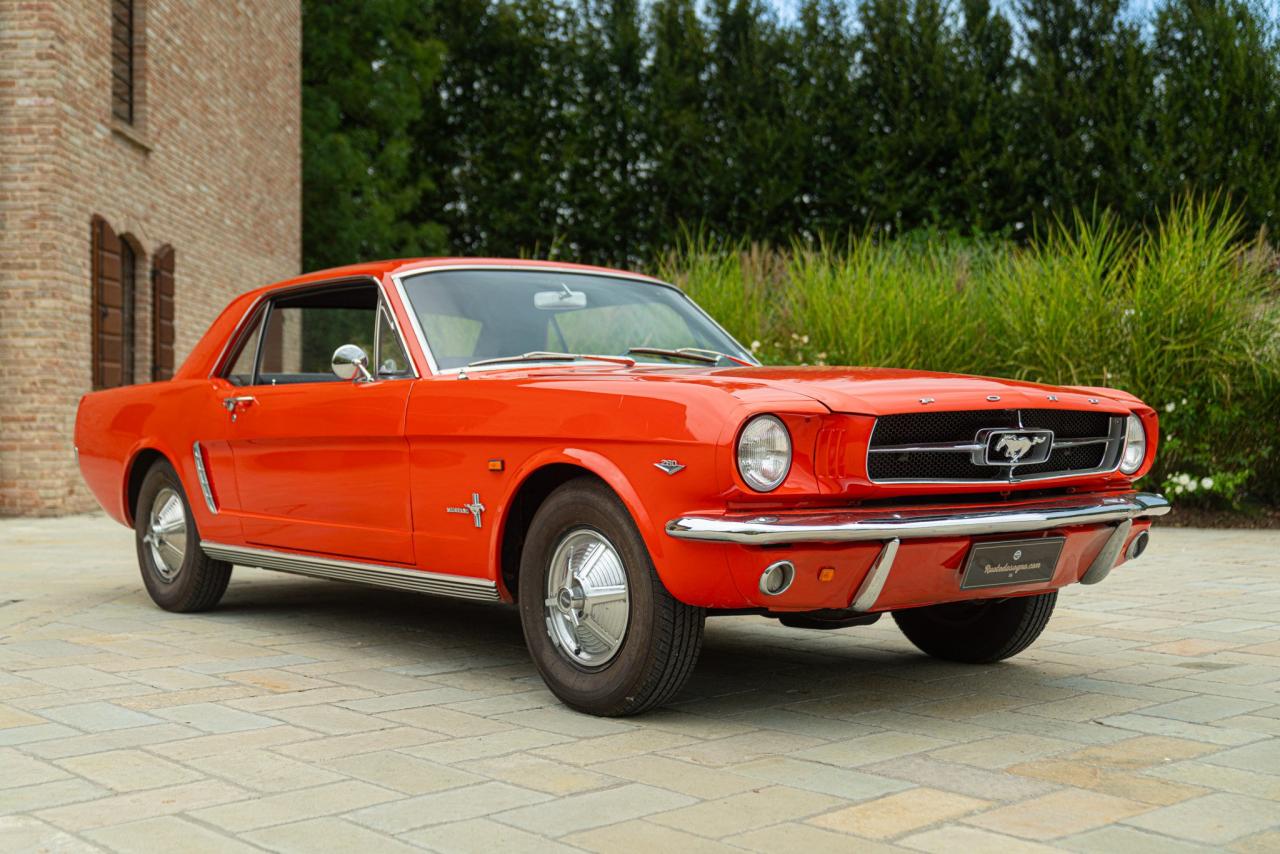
(116, 426)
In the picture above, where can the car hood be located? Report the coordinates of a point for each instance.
(853, 391)
(880, 391)
(856, 391)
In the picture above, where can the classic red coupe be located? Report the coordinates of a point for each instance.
(591, 446)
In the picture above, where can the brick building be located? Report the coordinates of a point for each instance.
(149, 170)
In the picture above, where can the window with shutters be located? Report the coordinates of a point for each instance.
(162, 331)
(123, 59)
(114, 263)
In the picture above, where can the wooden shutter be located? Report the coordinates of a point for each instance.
(108, 307)
(162, 332)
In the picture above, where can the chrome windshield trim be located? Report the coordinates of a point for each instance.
(417, 327)
(426, 269)
(377, 575)
(844, 526)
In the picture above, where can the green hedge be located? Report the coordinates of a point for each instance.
(1185, 314)
(591, 129)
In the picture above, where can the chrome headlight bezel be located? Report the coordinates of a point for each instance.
(1135, 445)
(757, 431)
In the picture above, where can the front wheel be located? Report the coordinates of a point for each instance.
(977, 632)
(604, 633)
(177, 574)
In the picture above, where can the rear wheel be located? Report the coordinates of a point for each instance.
(603, 631)
(978, 632)
(177, 574)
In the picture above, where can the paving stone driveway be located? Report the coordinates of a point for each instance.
(309, 715)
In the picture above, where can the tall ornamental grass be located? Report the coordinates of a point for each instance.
(1186, 315)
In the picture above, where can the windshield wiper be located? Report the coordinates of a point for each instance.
(693, 354)
(548, 356)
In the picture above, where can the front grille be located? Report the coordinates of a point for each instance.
(949, 446)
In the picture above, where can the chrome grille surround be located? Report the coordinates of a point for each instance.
(951, 447)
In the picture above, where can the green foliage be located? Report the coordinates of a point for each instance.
(1217, 115)
(367, 67)
(597, 130)
(1184, 315)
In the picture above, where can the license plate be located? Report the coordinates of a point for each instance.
(1011, 562)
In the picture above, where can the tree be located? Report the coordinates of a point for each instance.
(610, 216)
(757, 144)
(367, 67)
(987, 192)
(1217, 105)
(494, 131)
(1083, 120)
(831, 196)
(680, 134)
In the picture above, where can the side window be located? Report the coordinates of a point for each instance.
(391, 359)
(304, 329)
(293, 339)
(241, 372)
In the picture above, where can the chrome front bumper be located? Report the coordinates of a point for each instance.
(855, 525)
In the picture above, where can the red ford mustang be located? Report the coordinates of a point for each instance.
(591, 446)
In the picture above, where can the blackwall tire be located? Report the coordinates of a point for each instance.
(177, 574)
(582, 541)
(979, 632)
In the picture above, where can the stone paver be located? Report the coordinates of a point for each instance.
(305, 715)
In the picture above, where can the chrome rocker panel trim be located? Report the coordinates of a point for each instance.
(850, 526)
(419, 581)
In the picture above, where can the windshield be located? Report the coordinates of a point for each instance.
(469, 316)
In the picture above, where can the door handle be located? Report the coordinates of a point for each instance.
(233, 405)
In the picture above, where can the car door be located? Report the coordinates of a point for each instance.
(321, 463)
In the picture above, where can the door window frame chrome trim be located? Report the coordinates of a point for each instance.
(398, 278)
(263, 303)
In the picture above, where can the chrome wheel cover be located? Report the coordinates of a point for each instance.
(587, 603)
(167, 534)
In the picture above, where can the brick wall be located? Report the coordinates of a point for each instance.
(210, 166)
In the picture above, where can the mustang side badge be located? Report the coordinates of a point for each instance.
(669, 466)
(475, 508)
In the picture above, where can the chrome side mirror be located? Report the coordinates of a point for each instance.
(351, 363)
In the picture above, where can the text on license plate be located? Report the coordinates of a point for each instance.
(1011, 562)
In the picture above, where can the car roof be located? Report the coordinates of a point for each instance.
(397, 266)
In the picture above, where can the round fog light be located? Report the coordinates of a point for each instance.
(777, 577)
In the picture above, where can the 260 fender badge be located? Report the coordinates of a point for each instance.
(669, 466)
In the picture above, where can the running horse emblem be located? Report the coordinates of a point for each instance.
(1015, 447)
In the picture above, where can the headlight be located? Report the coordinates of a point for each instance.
(1135, 446)
(764, 453)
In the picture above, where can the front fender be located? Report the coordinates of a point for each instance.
(692, 573)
